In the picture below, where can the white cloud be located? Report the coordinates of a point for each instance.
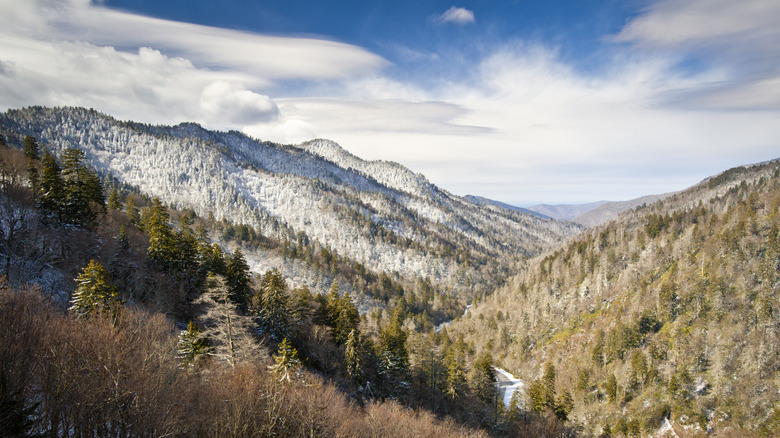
(741, 38)
(456, 15)
(523, 126)
(228, 103)
(528, 128)
(76, 53)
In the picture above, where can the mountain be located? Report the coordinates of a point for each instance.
(479, 200)
(374, 212)
(593, 213)
(565, 212)
(664, 318)
(610, 210)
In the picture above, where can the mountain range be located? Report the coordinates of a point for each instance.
(377, 213)
(654, 316)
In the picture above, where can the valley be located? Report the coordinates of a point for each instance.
(285, 267)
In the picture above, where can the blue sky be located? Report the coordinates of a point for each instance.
(520, 101)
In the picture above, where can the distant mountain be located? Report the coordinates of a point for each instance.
(594, 213)
(565, 212)
(610, 210)
(479, 200)
(374, 212)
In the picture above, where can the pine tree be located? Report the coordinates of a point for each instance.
(193, 346)
(114, 201)
(537, 396)
(483, 379)
(302, 306)
(515, 411)
(17, 412)
(30, 147)
(84, 198)
(274, 311)
(346, 320)
(238, 279)
(95, 295)
(352, 357)
(611, 388)
(287, 362)
(163, 245)
(393, 358)
(122, 240)
(563, 406)
(549, 385)
(52, 188)
(132, 212)
(456, 372)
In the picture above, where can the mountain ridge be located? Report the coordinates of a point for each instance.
(405, 225)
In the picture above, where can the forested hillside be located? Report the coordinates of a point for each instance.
(668, 312)
(378, 214)
(114, 303)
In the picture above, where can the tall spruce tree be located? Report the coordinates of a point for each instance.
(163, 245)
(393, 357)
(95, 294)
(455, 385)
(353, 357)
(274, 305)
(238, 279)
(483, 379)
(52, 189)
(30, 148)
(286, 361)
(193, 346)
(346, 320)
(84, 197)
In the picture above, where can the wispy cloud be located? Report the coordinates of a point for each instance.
(741, 39)
(76, 53)
(456, 15)
(522, 124)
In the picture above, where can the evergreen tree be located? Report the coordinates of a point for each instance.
(287, 361)
(95, 295)
(52, 188)
(302, 306)
(483, 380)
(193, 345)
(274, 311)
(114, 201)
(238, 279)
(122, 240)
(211, 258)
(549, 385)
(84, 198)
(352, 357)
(393, 358)
(346, 320)
(163, 243)
(132, 212)
(30, 147)
(563, 406)
(537, 396)
(611, 388)
(515, 411)
(17, 413)
(456, 372)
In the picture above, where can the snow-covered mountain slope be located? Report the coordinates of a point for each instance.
(375, 212)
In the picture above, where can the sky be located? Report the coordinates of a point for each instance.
(522, 101)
